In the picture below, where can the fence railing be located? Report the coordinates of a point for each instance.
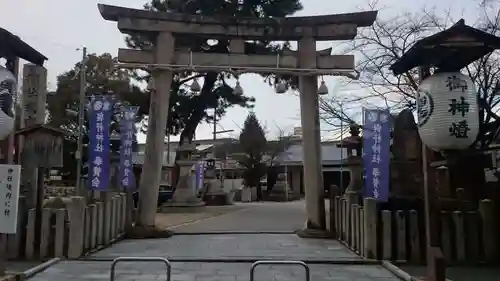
(399, 235)
(71, 232)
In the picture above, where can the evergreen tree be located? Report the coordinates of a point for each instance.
(253, 146)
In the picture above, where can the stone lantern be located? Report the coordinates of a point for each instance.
(215, 194)
(354, 143)
(185, 192)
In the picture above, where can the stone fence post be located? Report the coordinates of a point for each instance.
(76, 214)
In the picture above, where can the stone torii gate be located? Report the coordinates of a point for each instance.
(164, 59)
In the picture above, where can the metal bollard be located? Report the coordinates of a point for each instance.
(283, 262)
(141, 259)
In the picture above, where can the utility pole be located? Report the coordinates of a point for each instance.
(341, 148)
(81, 119)
(214, 147)
(215, 126)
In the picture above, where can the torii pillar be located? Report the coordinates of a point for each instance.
(311, 139)
(157, 121)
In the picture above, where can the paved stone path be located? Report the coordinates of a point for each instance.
(248, 247)
(257, 217)
(226, 251)
(188, 271)
(182, 216)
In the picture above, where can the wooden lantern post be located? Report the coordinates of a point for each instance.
(447, 51)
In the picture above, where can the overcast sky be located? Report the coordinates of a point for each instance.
(58, 27)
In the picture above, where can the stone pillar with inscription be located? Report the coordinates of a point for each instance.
(33, 101)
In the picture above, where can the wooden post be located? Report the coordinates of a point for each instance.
(386, 235)
(107, 218)
(362, 225)
(370, 223)
(489, 229)
(76, 213)
(333, 213)
(40, 182)
(446, 235)
(30, 235)
(435, 261)
(414, 236)
(60, 230)
(401, 235)
(472, 246)
(93, 226)
(458, 221)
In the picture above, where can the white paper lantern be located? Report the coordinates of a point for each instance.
(8, 84)
(447, 110)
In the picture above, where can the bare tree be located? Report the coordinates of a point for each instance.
(380, 45)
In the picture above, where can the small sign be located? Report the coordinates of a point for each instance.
(10, 176)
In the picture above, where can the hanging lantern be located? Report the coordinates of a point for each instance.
(151, 84)
(447, 111)
(323, 89)
(238, 90)
(195, 86)
(8, 85)
(280, 88)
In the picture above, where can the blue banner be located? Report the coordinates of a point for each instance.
(200, 174)
(376, 153)
(100, 119)
(127, 132)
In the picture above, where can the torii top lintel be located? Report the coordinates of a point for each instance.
(322, 28)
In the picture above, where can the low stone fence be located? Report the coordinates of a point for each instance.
(399, 235)
(71, 232)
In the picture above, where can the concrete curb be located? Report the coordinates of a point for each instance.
(39, 268)
(398, 272)
(10, 277)
(250, 260)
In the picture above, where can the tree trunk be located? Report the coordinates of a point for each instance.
(259, 192)
(196, 117)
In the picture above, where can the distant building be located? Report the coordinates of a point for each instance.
(291, 160)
